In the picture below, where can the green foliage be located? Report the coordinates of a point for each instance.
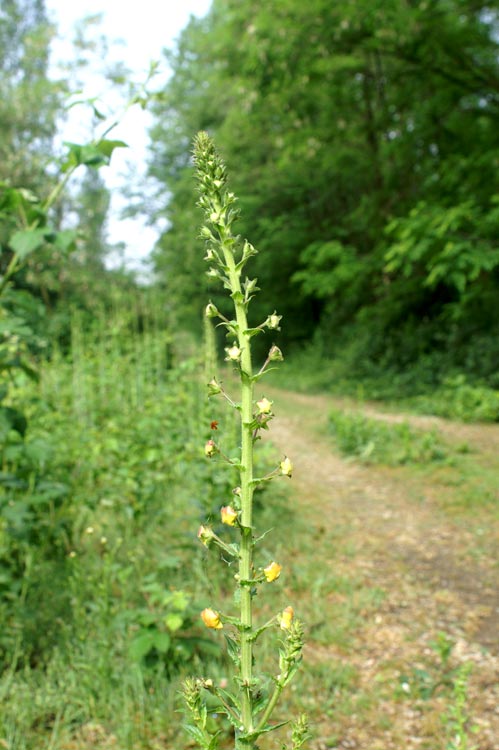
(457, 719)
(457, 399)
(379, 441)
(452, 246)
(93, 155)
(362, 138)
(29, 99)
(163, 627)
(88, 585)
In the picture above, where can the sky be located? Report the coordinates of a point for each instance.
(137, 33)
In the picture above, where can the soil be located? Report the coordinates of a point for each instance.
(437, 568)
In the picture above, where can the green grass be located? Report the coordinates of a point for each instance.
(102, 577)
(379, 442)
(459, 400)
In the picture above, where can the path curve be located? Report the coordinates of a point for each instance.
(404, 545)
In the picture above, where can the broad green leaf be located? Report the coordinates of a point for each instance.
(141, 644)
(162, 642)
(173, 621)
(91, 155)
(106, 147)
(27, 241)
(65, 239)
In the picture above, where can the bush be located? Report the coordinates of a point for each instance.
(457, 399)
(375, 441)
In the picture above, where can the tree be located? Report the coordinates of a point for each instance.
(29, 101)
(348, 127)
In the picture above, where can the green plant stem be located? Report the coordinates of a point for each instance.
(246, 474)
(270, 706)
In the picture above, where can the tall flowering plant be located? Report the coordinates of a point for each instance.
(250, 703)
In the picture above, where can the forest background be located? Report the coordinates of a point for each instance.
(362, 141)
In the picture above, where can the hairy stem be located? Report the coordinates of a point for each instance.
(246, 552)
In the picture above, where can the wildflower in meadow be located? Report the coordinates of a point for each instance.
(264, 406)
(251, 709)
(272, 571)
(286, 618)
(211, 619)
(205, 535)
(233, 353)
(229, 515)
(210, 448)
(286, 467)
(273, 321)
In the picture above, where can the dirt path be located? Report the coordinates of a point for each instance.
(390, 532)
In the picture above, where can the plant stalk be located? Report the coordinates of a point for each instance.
(246, 477)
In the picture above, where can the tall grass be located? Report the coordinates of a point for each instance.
(102, 577)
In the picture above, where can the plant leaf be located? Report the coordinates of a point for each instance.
(141, 644)
(27, 241)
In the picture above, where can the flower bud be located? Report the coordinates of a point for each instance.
(233, 353)
(286, 467)
(213, 387)
(273, 321)
(210, 448)
(264, 406)
(211, 619)
(206, 684)
(272, 571)
(211, 311)
(275, 354)
(205, 535)
(286, 618)
(228, 515)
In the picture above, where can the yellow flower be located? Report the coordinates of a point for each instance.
(210, 448)
(211, 619)
(286, 618)
(229, 515)
(272, 571)
(286, 467)
(264, 406)
(233, 353)
(205, 535)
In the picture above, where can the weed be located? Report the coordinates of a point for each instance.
(457, 720)
(253, 696)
